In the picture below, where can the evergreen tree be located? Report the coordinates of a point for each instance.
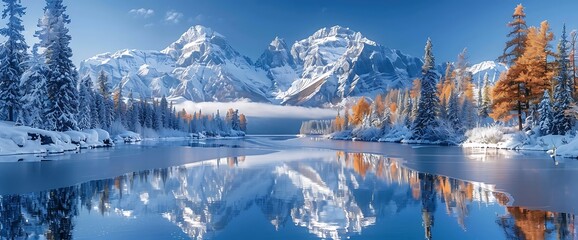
(545, 111)
(85, 100)
(146, 114)
(572, 56)
(386, 121)
(164, 111)
(235, 123)
(219, 123)
(464, 90)
(34, 99)
(562, 93)
(95, 112)
(106, 105)
(484, 103)
(133, 111)
(425, 123)
(62, 78)
(119, 105)
(12, 58)
(454, 113)
(408, 109)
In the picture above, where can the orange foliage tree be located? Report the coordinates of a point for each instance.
(360, 110)
(508, 93)
(533, 64)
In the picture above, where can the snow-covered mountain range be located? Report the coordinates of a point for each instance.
(330, 65)
(493, 69)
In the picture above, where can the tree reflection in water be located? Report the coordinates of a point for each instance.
(330, 198)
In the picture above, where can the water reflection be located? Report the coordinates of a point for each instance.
(338, 196)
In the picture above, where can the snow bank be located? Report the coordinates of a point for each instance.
(26, 140)
(510, 138)
(127, 137)
(358, 134)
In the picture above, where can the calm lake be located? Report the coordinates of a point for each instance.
(288, 188)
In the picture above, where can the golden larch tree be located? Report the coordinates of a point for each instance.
(242, 122)
(535, 72)
(508, 92)
(515, 46)
(504, 98)
(360, 110)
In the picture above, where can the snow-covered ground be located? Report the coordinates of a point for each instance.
(498, 137)
(509, 138)
(26, 140)
(19, 140)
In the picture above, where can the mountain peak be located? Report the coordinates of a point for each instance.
(197, 32)
(337, 31)
(200, 44)
(277, 44)
(491, 68)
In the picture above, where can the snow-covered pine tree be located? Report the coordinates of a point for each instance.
(235, 124)
(146, 114)
(386, 121)
(484, 103)
(453, 112)
(33, 84)
(85, 100)
(62, 78)
(133, 111)
(106, 106)
(479, 96)
(545, 111)
(425, 123)
(346, 119)
(12, 59)
(172, 118)
(408, 109)
(219, 123)
(157, 123)
(562, 123)
(119, 105)
(164, 112)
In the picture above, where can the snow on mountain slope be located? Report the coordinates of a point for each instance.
(492, 68)
(199, 66)
(335, 63)
(323, 69)
(279, 64)
(136, 69)
(204, 55)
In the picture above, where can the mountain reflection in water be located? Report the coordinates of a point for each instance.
(339, 196)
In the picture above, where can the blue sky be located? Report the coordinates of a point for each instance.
(249, 25)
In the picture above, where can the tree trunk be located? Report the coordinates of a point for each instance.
(519, 116)
(11, 113)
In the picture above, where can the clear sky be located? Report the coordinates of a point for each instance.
(109, 25)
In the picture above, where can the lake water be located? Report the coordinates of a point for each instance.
(286, 188)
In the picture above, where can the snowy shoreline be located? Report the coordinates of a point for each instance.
(494, 137)
(22, 140)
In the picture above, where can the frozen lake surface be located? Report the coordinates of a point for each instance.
(288, 188)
